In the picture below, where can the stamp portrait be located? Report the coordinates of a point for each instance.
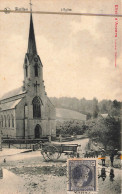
(82, 175)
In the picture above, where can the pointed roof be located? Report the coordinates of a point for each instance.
(31, 40)
(10, 105)
(13, 93)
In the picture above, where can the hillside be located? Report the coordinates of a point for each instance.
(91, 108)
(65, 114)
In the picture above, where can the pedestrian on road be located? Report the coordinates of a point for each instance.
(112, 175)
(112, 158)
(60, 138)
(103, 157)
(103, 174)
(79, 151)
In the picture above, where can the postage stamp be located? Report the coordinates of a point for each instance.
(82, 175)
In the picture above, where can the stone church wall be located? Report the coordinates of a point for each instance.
(8, 130)
(20, 128)
(31, 127)
(43, 125)
(20, 119)
(45, 130)
(51, 116)
(53, 127)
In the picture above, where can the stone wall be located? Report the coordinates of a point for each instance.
(8, 124)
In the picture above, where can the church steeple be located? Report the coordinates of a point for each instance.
(33, 69)
(31, 40)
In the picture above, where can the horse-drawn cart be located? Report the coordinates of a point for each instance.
(53, 151)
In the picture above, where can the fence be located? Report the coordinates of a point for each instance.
(22, 143)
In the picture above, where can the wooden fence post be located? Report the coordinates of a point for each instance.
(9, 144)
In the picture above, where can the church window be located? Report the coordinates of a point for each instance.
(36, 107)
(26, 111)
(5, 121)
(36, 70)
(26, 71)
(8, 118)
(1, 121)
(12, 118)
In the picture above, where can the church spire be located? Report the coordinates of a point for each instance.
(31, 40)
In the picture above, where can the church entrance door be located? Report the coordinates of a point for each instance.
(38, 131)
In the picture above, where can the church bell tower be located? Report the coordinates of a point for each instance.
(33, 74)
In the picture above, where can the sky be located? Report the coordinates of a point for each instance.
(77, 52)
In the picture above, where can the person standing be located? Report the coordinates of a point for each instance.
(112, 158)
(79, 152)
(60, 138)
(112, 175)
(103, 157)
(103, 174)
(95, 150)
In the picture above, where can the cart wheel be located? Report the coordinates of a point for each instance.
(44, 153)
(51, 153)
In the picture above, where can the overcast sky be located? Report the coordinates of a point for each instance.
(77, 52)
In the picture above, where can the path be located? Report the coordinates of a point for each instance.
(30, 178)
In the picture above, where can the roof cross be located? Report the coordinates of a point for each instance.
(30, 5)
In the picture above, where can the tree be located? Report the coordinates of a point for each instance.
(106, 131)
(95, 108)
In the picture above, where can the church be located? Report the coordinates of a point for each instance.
(27, 112)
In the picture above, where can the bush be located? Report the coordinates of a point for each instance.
(70, 127)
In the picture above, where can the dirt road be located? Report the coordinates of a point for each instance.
(28, 173)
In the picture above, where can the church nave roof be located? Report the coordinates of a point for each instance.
(13, 93)
(9, 105)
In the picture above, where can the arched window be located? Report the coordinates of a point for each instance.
(8, 119)
(12, 119)
(1, 121)
(26, 110)
(5, 121)
(36, 107)
(26, 71)
(9, 122)
(36, 70)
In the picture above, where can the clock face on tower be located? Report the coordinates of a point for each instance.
(36, 59)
